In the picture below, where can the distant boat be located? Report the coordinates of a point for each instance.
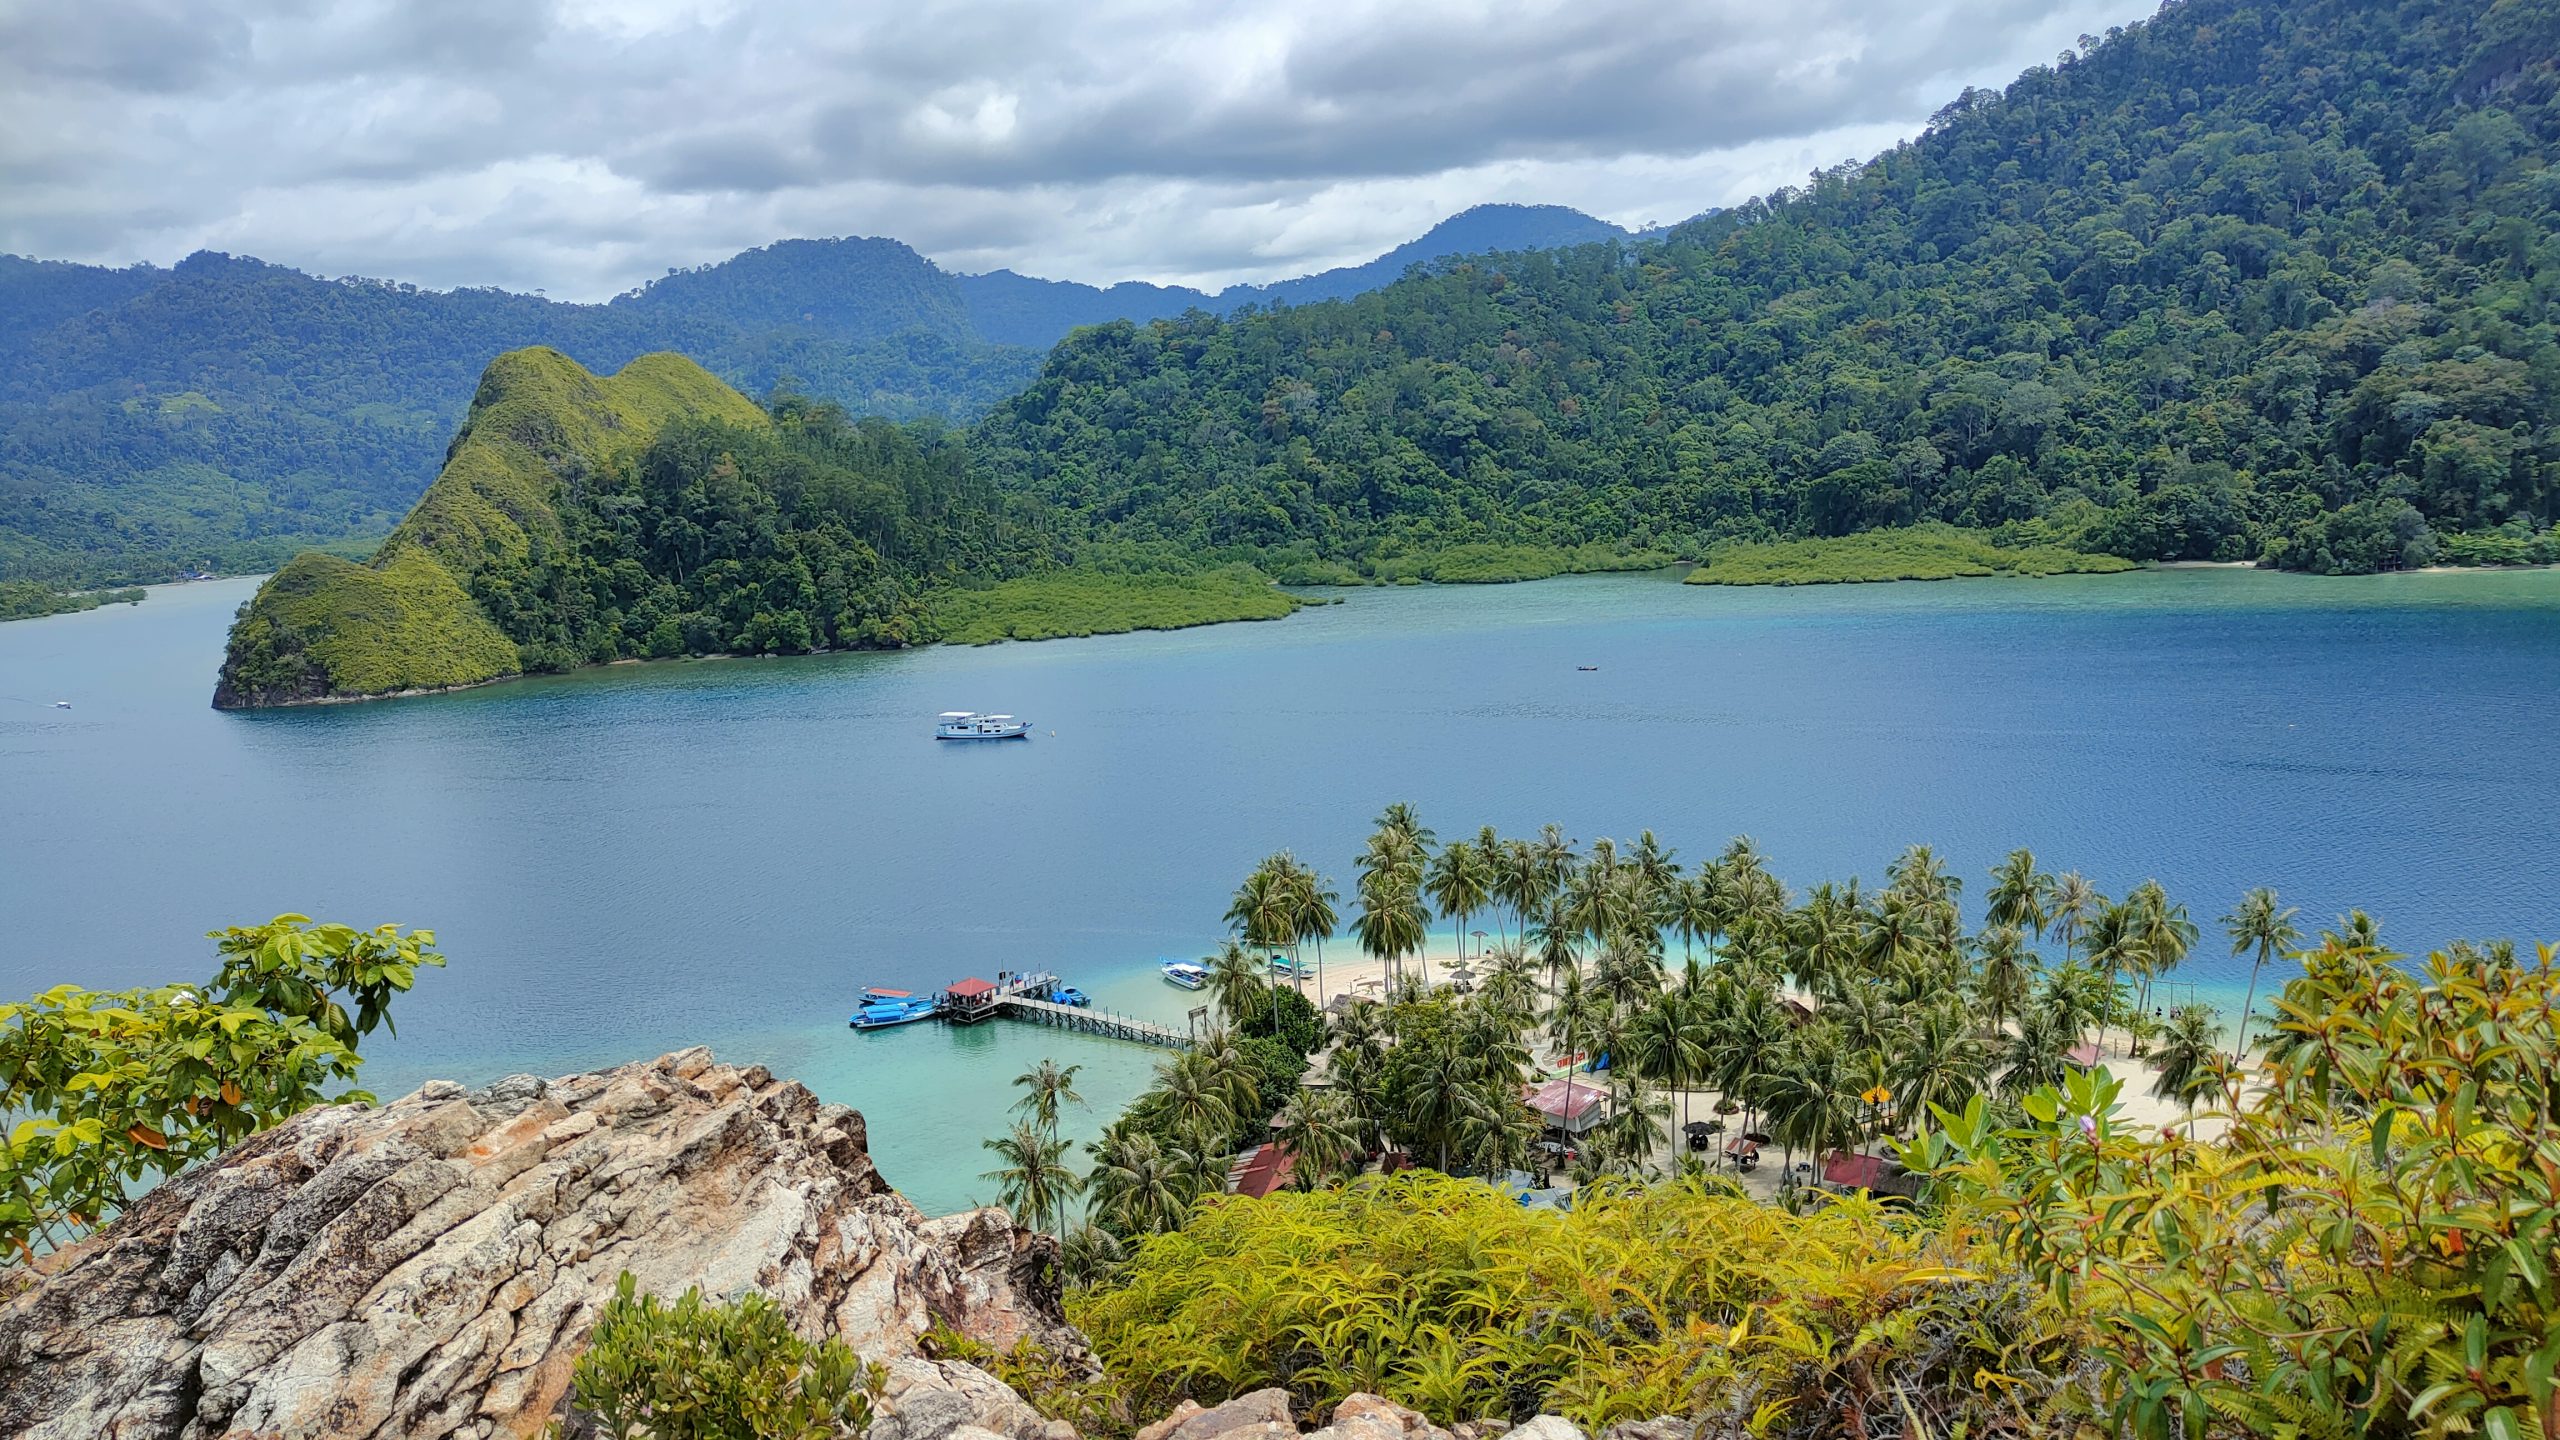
(969, 725)
(61, 704)
(1280, 965)
(1186, 974)
(1070, 995)
(1586, 667)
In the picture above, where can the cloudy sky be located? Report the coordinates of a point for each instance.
(583, 146)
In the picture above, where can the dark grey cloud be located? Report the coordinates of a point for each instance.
(584, 145)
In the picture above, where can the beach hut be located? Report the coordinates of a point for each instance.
(1567, 1105)
(1876, 1173)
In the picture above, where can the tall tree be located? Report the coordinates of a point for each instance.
(2262, 925)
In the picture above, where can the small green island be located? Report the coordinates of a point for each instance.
(657, 513)
(29, 600)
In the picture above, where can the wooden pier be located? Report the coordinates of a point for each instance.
(1094, 1022)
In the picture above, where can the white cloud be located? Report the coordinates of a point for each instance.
(582, 146)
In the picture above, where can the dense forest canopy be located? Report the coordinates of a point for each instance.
(2247, 280)
(231, 412)
(817, 531)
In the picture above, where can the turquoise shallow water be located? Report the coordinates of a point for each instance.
(625, 861)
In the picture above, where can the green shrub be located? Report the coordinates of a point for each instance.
(696, 1370)
(108, 1091)
(1451, 1297)
(1063, 603)
(1920, 552)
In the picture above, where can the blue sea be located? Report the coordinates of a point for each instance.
(634, 859)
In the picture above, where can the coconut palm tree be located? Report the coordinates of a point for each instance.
(2019, 895)
(1632, 1135)
(2039, 1054)
(1750, 1037)
(1312, 916)
(1322, 1133)
(1630, 975)
(1571, 1020)
(1460, 883)
(2115, 941)
(1814, 1095)
(1919, 874)
(2258, 923)
(2074, 901)
(1198, 1099)
(1940, 1060)
(1391, 922)
(1139, 1185)
(1551, 939)
(2190, 1059)
(1663, 1045)
(1511, 985)
(1036, 1180)
(1236, 980)
(2002, 974)
(1046, 1087)
(2166, 935)
(1090, 1255)
(1518, 881)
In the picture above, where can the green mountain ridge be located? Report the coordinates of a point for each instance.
(230, 411)
(2239, 282)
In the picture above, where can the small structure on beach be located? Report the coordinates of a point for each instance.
(1569, 1105)
(1876, 1173)
(1261, 1170)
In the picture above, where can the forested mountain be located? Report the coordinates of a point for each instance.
(229, 411)
(1018, 310)
(2246, 279)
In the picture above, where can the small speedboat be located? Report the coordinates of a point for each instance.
(1070, 995)
(1283, 967)
(970, 725)
(1186, 974)
(61, 704)
(1586, 667)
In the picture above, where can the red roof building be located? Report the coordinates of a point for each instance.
(1570, 1105)
(971, 988)
(1867, 1172)
(1263, 1169)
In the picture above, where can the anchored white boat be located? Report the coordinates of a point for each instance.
(970, 725)
(1186, 974)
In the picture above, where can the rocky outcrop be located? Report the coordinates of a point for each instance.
(432, 1267)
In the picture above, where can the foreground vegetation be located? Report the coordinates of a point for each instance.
(1934, 552)
(109, 1091)
(27, 600)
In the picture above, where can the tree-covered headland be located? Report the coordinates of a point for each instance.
(2241, 282)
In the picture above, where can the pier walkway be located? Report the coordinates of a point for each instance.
(1093, 1022)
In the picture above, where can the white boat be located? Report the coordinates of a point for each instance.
(970, 725)
(1186, 974)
